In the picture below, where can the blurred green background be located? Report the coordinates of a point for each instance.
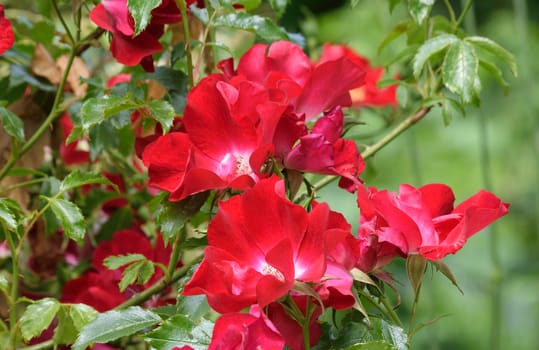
(494, 147)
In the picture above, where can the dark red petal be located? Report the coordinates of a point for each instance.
(7, 38)
(396, 218)
(229, 286)
(119, 16)
(259, 61)
(438, 198)
(310, 259)
(336, 290)
(99, 16)
(477, 212)
(210, 124)
(330, 125)
(131, 51)
(198, 180)
(166, 13)
(317, 97)
(280, 218)
(167, 160)
(95, 289)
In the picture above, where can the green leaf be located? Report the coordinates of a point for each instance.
(163, 112)
(450, 107)
(78, 178)
(403, 95)
(70, 218)
(71, 319)
(375, 345)
(81, 314)
(103, 137)
(261, 26)
(180, 330)
(12, 124)
(115, 262)
(140, 271)
(393, 4)
(398, 30)
(170, 218)
(7, 217)
(249, 5)
(356, 335)
(495, 49)
(38, 316)
(195, 306)
(395, 335)
(443, 268)
(76, 133)
(146, 271)
(129, 276)
(354, 3)
(50, 187)
(306, 289)
(95, 110)
(201, 14)
(20, 75)
(279, 6)
(141, 11)
(496, 74)
(459, 70)
(195, 242)
(175, 82)
(361, 276)
(415, 267)
(430, 48)
(351, 333)
(65, 332)
(112, 325)
(419, 9)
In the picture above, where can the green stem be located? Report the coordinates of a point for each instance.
(413, 313)
(14, 295)
(22, 184)
(175, 254)
(451, 12)
(465, 10)
(33, 221)
(64, 24)
(187, 37)
(372, 150)
(388, 312)
(391, 311)
(54, 113)
(210, 31)
(305, 325)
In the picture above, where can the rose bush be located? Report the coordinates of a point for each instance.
(190, 185)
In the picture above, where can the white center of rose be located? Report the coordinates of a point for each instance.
(267, 269)
(242, 166)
